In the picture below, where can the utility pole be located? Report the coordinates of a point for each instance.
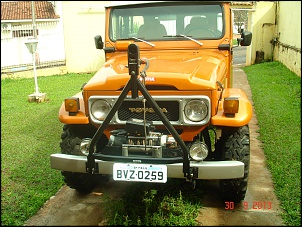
(34, 19)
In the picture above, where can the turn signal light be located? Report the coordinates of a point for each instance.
(72, 105)
(231, 106)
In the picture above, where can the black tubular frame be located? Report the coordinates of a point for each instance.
(133, 85)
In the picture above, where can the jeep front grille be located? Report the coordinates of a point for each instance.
(133, 109)
(171, 106)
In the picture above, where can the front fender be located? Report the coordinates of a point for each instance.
(79, 118)
(241, 118)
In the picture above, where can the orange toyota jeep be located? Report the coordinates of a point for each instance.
(162, 105)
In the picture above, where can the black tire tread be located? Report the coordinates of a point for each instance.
(70, 144)
(235, 144)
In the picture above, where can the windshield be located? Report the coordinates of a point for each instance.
(162, 22)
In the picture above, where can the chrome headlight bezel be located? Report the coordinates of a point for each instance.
(196, 110)
(99, 109)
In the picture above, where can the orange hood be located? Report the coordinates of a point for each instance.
(195, 70)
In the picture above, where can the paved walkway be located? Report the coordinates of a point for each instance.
(260, 206)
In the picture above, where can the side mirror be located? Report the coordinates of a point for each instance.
(98, 42)
(246, 38)
(239, 41)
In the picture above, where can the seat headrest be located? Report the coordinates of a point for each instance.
(152, 21)
(199, 21)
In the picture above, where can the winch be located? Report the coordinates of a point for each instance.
(139, 138)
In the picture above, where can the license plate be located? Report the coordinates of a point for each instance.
(140, 172)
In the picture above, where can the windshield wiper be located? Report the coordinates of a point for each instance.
(144, 41)
(187, 37)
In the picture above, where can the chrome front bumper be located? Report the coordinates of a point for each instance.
(209, 170)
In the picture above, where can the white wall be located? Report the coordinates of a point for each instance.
(281, 22)
(263, 27)
(50, 48)
(50, 44)
(288, 35)
(82, 21)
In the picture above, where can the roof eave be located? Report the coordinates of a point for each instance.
(125, 3)
(29, 20)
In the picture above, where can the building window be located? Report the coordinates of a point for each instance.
(24, 33)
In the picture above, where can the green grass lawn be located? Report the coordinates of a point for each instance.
(30, 132)
(276, 93)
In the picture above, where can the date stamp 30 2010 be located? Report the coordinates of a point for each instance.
(254, 205)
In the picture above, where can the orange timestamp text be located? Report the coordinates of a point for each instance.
(254, 205)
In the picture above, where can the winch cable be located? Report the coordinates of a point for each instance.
(143, 75)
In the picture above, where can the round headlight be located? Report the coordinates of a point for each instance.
(199, 151)
(196, 110)
(100, 109)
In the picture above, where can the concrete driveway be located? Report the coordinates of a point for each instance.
(261, 206)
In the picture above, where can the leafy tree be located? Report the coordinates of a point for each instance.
(240, 19)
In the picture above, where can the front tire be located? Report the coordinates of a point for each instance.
(70, 144)
(235, 145)
(82, 182)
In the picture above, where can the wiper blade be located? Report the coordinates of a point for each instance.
(194, 40)
(144, 41)
(187, 37)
